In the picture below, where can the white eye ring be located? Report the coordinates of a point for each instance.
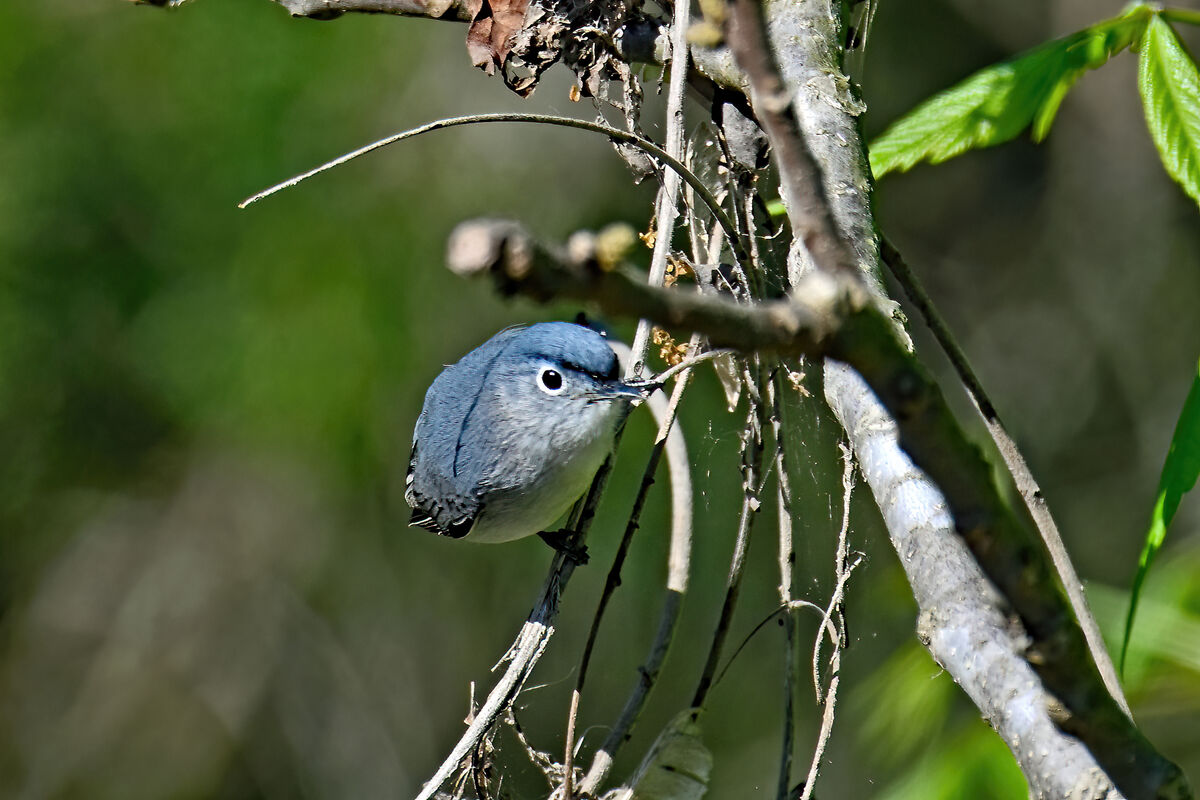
(551, 381)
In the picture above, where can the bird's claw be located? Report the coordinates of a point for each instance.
(560, 540)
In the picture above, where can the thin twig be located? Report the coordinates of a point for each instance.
(834, 611)
(668, 193)
(531, 641)
(789, 659)
(456, 10)
(1022, 475)
(526, 650)
(752, 457)
(569, 745)
(787, 564)
(692, 360)
(613, 579)
(616, 134)
(801, 183)
(678, 569)
(842, 571)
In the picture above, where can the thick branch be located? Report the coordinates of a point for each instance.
(800, 183)
(521, 265)
(961, 621)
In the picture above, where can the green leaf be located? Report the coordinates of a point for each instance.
(678, 765)
(1179, 474)
(1170, 87)
(998, 102)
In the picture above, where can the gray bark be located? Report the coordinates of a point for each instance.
(963, 620)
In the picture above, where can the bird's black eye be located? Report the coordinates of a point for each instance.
(550, 380)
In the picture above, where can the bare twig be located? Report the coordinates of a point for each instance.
(456, 10)
(1022, 475)
(787, 565)
(531, 641)
(568, 782)
(613, 579)
(800, 177)
(752, 462)
(835, 610)
(614, 134)
(813, 321)
(660, 378)
(668, 193)
(842, 569)
(526, 650)
(787, 555)
(678, 569)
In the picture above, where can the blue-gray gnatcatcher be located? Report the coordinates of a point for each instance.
(511, 435)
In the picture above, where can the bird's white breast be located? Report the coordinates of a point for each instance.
(574, 452)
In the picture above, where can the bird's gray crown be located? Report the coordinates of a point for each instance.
(572, 346)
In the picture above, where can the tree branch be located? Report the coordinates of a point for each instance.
(668, 192)
(962, 619)
(800, 180)
(830, 313)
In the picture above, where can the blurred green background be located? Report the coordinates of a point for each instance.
(207, 587)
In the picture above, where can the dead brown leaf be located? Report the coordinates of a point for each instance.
(490, 35)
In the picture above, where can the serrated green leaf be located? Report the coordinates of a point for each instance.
(1179, 474)
(1170, 87)
(998, 102)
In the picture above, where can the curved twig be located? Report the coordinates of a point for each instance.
(668, 192)
(615, 134)
(660, 378)
(671, 440)
(842, 570)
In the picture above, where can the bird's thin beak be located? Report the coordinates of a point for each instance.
(634, 391)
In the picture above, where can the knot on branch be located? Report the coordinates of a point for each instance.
(501, 248)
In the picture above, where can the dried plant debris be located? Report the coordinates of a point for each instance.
(493, 27)
(669, 350)
(525, 38)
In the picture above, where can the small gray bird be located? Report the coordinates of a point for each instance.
(511, 435)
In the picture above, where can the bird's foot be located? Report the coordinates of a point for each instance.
(560, 540)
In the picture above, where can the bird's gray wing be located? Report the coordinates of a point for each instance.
(447, 515)
(447, 464)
